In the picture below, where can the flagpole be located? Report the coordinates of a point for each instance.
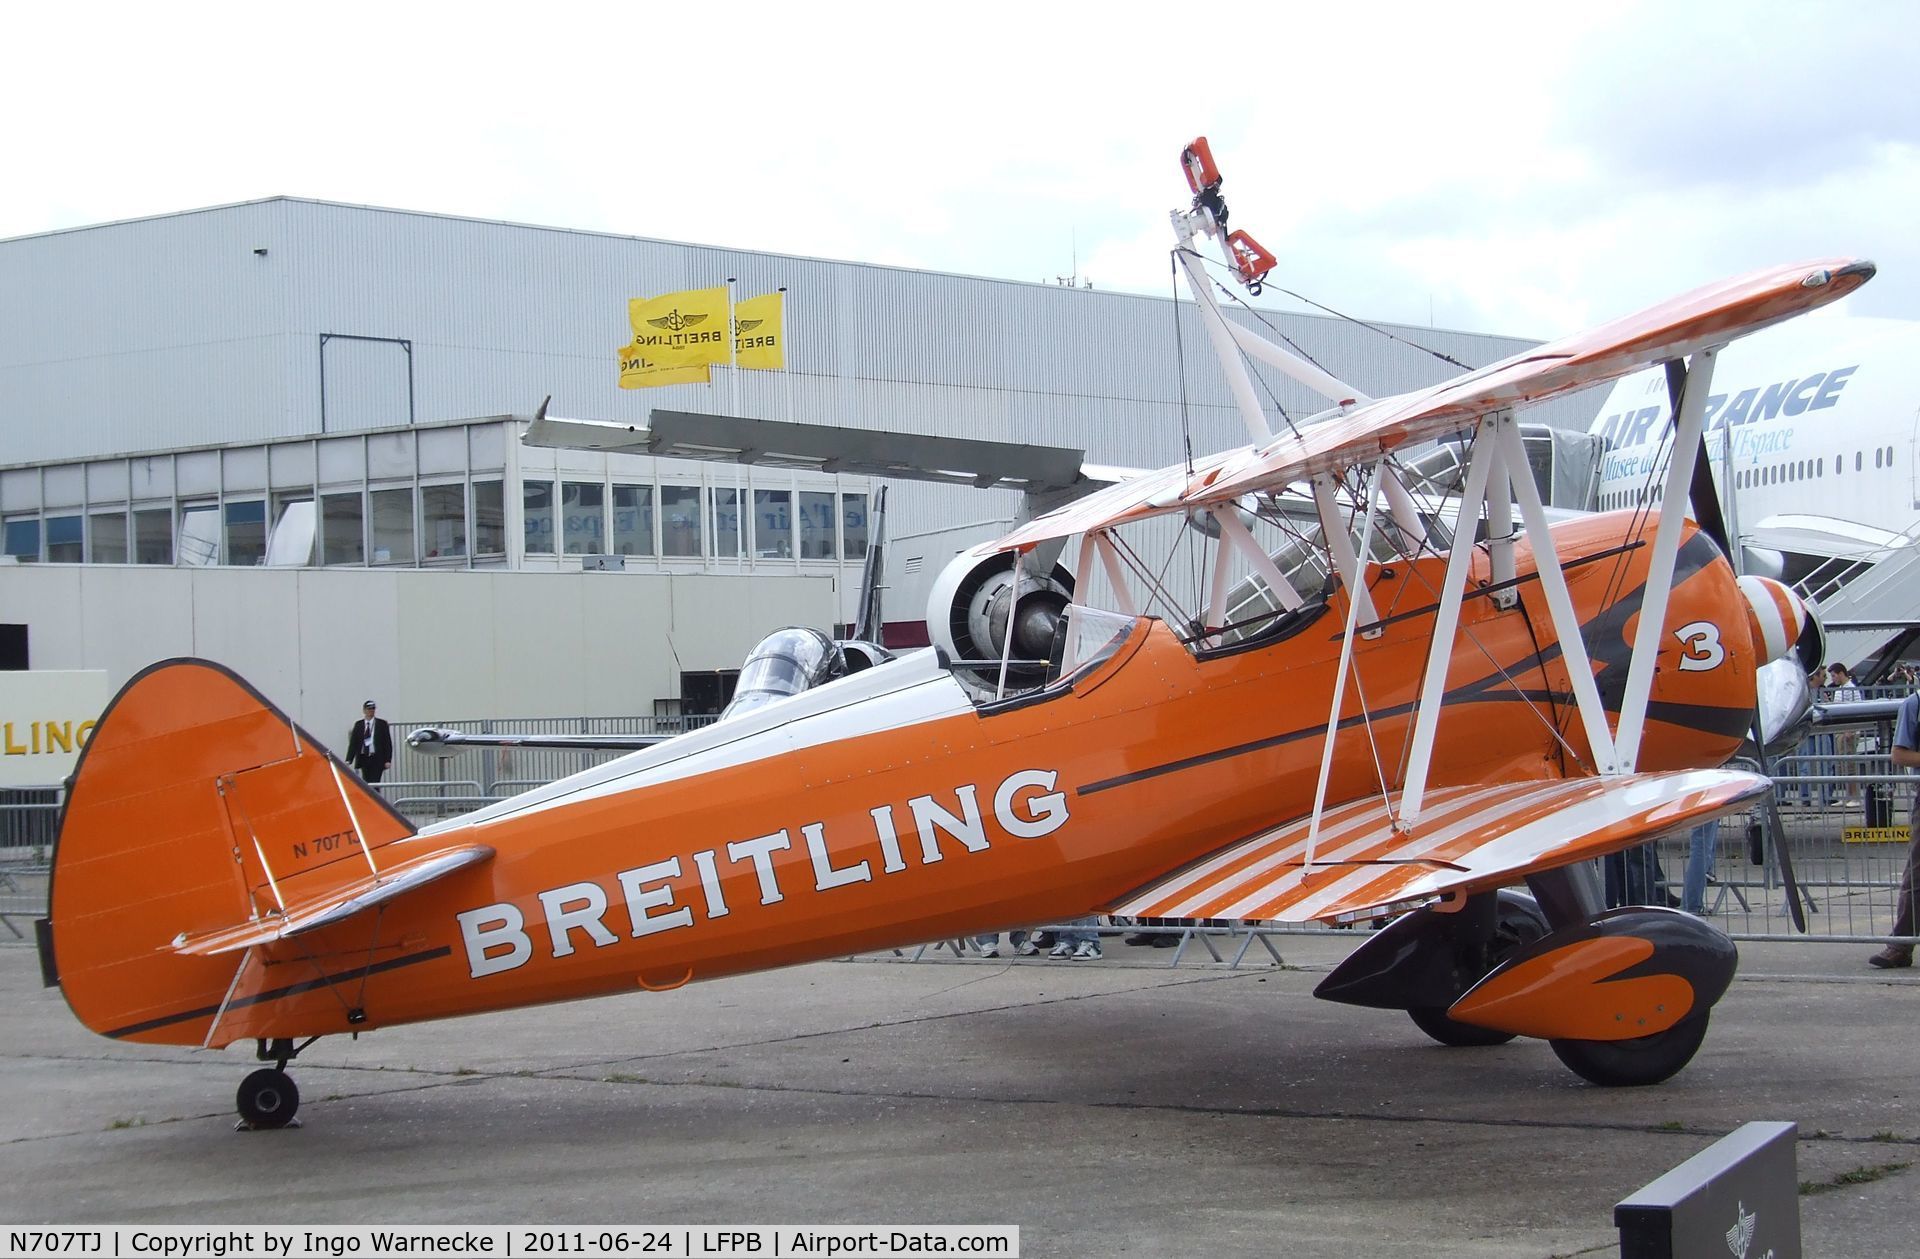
(786, 363)
(733, 346)
(741, 559)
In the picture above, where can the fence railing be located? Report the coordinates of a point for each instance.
(501, 771)
(1847, 835)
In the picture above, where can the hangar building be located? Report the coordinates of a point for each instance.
(171, 388)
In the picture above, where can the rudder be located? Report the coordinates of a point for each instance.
(196, 805)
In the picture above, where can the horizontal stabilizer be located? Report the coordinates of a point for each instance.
(334, 904)
(1468, 839)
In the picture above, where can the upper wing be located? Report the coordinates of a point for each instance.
(1468, 839)
(1705, 317)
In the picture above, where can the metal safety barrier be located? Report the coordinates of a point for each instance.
(500, 771)
(1847, 834)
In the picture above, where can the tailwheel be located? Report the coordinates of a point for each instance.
(1642, 1060)
(268, 1098)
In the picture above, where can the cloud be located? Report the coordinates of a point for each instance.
(1507, 167)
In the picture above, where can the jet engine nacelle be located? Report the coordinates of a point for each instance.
(973, 600)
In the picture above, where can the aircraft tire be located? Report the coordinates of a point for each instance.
(1520, 923)
(1631, 1063)
(268, 1098)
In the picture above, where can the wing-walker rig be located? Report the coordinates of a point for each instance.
(1377, 707)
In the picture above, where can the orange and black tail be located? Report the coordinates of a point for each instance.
(198, 817)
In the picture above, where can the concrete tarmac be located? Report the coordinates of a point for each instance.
(1118, 1107)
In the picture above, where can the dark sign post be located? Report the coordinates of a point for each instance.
(1739, 1199)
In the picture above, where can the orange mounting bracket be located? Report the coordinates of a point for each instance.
(1250, 259)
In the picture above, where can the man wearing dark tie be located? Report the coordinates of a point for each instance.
(369, 745)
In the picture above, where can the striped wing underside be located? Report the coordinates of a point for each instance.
(1468, 839)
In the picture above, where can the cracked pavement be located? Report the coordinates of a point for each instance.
(1110, 1107)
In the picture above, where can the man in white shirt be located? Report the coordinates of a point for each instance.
(369, 745)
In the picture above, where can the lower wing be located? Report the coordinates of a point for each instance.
(1468, 839)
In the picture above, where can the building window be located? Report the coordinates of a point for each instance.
(584, 516)
(64, 545)
(489, 518)
(199, 535)
(246, 532)
(853, 526)
(536, 503)
(726, 524)
(391, 514)
(816, 526)
(23, 539)
(773, 524)
(107, 537)
(443, 520)
(680, 520)
(633, 520)
(153, 536)
(343, 535)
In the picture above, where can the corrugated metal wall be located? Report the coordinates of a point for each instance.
(174, 331)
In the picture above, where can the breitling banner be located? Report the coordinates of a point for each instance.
(637, 371)
(681, 329)
(759, 332)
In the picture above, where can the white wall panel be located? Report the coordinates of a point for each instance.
(256, 637)
(172, 331)
(425, 645)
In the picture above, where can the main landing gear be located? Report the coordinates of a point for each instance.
(1622, 996)
(268, 1098)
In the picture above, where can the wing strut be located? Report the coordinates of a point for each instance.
(1353, 574)
(1338, 535)
(1666, 546)
(1234, 530)
(1566, 622)
(1446, 621)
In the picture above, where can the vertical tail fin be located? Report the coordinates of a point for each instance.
(196, 806)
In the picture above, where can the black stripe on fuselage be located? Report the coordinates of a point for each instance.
(305, 985)
(1607, 627)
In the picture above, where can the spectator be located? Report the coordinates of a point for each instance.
(369, 745)
(1022, 942)
(1693, 888)
(1634, 877)
(1906, 755)
(1077, 939)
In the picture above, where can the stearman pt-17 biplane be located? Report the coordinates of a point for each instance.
(1375, 706)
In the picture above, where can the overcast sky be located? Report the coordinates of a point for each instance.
(1515, 168)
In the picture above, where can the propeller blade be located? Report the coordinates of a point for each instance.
(1700, 494)
(1782, 850)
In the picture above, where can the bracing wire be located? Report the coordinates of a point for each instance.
(1424, 349)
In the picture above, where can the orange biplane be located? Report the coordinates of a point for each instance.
(1376, 706)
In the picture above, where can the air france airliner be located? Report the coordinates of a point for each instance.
(1813, 435)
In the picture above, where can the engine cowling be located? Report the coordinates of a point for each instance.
(1790, 642)
(972, 602)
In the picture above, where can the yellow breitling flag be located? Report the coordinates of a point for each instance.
(759, 332)
(638, 372)
(681, 329)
